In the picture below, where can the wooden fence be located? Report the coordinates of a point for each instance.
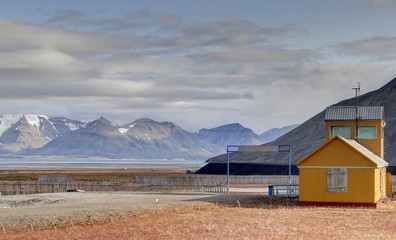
(215, 179)
(32, 187)
(193, 183)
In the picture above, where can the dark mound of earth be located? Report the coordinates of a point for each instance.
(247, 169)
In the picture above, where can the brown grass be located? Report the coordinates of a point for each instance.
(86, 175)
(262, 220)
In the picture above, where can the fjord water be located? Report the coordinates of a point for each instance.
(58, 164)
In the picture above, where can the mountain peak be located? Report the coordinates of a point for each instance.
(107, 121)
(148, 120)
(274, 133)
(169, 124)
(103, 119)
(100, 124)
(234, 125)
(230, 127)
(233, 133)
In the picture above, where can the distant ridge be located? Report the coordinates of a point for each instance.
(40, 135)
(233, 133)
(311, 134)
(274, 133)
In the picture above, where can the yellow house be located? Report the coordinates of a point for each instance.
(349, 168)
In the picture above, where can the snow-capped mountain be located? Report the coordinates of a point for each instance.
(29, 134)
(97, 138)
(141, 139)
(24, 131)
(169, 139)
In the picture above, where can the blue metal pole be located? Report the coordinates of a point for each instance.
(289, 190)
(290, 166)
(228, 172)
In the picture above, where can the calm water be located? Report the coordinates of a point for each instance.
(57, 164)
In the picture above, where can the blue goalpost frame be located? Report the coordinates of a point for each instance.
(248, 148)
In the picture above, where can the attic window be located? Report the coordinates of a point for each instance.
(343, 131)
(337, 179)
(367, 132)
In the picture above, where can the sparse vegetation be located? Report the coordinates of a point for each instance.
(249, 218)
(85, 175)
(237, 217)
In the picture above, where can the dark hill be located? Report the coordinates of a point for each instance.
(311, 134)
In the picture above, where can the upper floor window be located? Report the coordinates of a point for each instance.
(343, 131)
(367, 132)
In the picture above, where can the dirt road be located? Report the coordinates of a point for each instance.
(64, 208)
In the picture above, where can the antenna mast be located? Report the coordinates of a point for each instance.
(357, 91)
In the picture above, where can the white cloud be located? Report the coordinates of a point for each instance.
(377, 48)
(256, 55)
(195, 74)
(381, 4)
(17, 35)
(40, 60)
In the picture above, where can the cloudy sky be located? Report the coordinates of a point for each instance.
(198, 63)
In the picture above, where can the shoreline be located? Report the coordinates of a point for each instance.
(97, 158)
(92, 164)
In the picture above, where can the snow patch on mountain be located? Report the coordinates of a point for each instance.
(114, 124)
(148, 137)
(123, 130)
(33, 120)
(71, 126)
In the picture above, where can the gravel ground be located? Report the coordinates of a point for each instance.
(56, 209)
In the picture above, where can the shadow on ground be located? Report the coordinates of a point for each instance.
(248, 201)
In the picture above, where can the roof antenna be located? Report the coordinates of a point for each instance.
(357, 91)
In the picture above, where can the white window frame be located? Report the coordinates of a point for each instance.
(340, 126)
(337, 179)
(372, 127)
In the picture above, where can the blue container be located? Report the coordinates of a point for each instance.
(271, 190)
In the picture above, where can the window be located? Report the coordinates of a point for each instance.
(337, 179)
(343, 131)
(367, 132)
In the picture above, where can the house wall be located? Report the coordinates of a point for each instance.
(363, 186)
(381, 175)
(375, 145)
(364, 178)
(336, 153)
(377, 180)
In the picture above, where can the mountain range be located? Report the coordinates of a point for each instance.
(40, 135)
(24, 131)
(311, 134)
